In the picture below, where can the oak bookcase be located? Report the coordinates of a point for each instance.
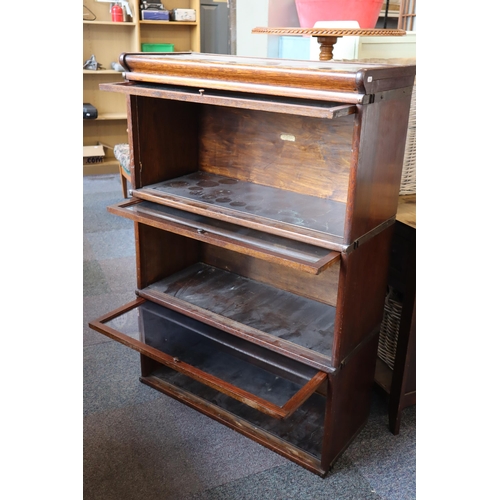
(264, 195)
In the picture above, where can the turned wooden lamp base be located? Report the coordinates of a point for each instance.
(327, 37)
(326, 47)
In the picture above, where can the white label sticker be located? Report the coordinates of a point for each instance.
(288, 137)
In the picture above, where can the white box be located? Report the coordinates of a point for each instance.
(184, 15)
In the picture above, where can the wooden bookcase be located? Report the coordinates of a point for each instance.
(264, 198)
(106, 40)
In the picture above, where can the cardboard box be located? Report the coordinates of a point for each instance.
(184, 15)
(93, 155)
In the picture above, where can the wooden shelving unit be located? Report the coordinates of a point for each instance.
(106, 40)
(264, 196)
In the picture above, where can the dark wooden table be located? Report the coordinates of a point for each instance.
(400, 383)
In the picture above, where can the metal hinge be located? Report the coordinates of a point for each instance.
(391, 94)
(370, 234)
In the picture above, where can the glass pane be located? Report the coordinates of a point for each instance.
(233, 360)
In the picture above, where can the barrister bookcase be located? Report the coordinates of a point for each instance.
(264, 194)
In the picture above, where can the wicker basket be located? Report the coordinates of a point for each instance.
(409, 175)
(389, 328)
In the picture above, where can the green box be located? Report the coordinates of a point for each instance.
(157, 47)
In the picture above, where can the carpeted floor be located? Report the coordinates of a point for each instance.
(142, 445)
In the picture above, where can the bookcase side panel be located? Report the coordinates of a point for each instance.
(164, 139)
(362, 288)
(160, 253)
(379, 143)
(348, 401)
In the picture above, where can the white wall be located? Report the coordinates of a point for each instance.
(282, 14)
(251, 14)
(262, 13)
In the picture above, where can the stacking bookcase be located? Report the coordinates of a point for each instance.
(264, 194)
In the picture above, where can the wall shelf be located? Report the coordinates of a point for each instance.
(106, 40)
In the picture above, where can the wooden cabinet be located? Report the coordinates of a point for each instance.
(396, 364)
(264, 198)
(106, 40)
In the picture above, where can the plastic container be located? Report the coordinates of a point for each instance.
(155, 15)
(366, 12)
(157, 47)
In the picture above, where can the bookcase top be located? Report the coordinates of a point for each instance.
(227, 72)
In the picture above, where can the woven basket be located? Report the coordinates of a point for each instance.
(389, 328)
(409, 175)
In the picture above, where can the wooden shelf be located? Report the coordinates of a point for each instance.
(289, 253)
(109, 116)
(286, 323)
(171, 23)
(109, 23)
(297, 438)
(299, 107)
(317, 221)
(300, 435)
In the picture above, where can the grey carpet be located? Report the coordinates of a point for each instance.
(142, 445)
